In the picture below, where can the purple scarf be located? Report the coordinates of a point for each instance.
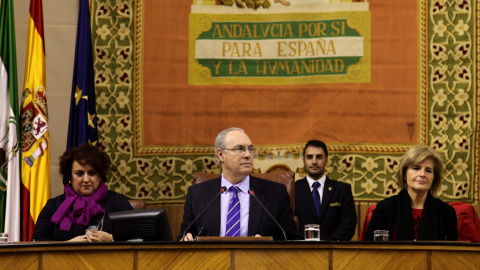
(78, 209)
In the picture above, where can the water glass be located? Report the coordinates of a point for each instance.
(97, 228)
(91, 229)
(380, 235)
(3, 237)
(312, 232)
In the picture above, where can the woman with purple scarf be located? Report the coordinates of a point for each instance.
(85, 203)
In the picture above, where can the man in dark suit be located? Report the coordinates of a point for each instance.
(336, 213)
(234, 151)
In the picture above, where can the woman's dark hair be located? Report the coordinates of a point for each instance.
(85, 154)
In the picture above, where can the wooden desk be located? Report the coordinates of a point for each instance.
(240, 255)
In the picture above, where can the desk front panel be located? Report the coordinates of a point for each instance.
(241, 255)
(88, 259)
(21, 260)
(184, 259)
(455, 260)
(352, 259)
(281, 259)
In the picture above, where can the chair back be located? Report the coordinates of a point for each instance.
(137, 204)
(366, 221)
(467, 222)
(286, 177)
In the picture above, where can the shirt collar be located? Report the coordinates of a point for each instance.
(244, 185)
(321, 180)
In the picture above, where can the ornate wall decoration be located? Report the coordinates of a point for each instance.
(451, 94)
(447, 113)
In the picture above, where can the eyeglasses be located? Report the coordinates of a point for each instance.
(242, 150)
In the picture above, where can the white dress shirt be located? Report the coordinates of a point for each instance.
(320, 188)
(244, 199)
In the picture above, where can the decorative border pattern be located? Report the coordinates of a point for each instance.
(452, 93)
(476, 163)
(447, 113)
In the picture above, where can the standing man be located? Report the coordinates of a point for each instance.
(321, 200)
(235, 212)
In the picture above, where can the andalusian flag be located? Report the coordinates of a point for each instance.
(9, 126)
(35, 144)
(82, 126)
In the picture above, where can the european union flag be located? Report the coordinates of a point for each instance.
(82, 127)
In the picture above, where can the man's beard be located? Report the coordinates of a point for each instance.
(316, 175)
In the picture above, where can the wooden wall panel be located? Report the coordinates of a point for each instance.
(85, 259)
(24, 261)
(281, 259)
(457, 260)
(185, 259)
(379, 259)
(241, 255)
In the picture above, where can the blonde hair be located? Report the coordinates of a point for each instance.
(416, 155)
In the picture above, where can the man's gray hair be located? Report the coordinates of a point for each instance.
(220, 139)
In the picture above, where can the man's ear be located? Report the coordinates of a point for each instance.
(220, 154)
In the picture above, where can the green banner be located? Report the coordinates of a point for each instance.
(331, 47)
(282, 68)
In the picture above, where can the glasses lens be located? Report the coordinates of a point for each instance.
(242, 150)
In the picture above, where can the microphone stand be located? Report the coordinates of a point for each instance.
(252, 193)
(222, 190)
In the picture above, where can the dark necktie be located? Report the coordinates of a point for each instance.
(233, 216)
(316, 197)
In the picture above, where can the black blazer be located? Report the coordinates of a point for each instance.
(47, 231)
(439, 220)
(273, 195)
(338, 217)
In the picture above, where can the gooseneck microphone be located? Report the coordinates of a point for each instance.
(222, 190)
(252, 193)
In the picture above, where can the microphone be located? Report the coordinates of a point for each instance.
(222, 190)
(198, 233)
(252, 193)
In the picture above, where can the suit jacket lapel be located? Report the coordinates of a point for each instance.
(256, 210)
(305, 192)
(327, 196)
(214, 210)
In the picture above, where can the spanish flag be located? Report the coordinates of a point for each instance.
(34, 119)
